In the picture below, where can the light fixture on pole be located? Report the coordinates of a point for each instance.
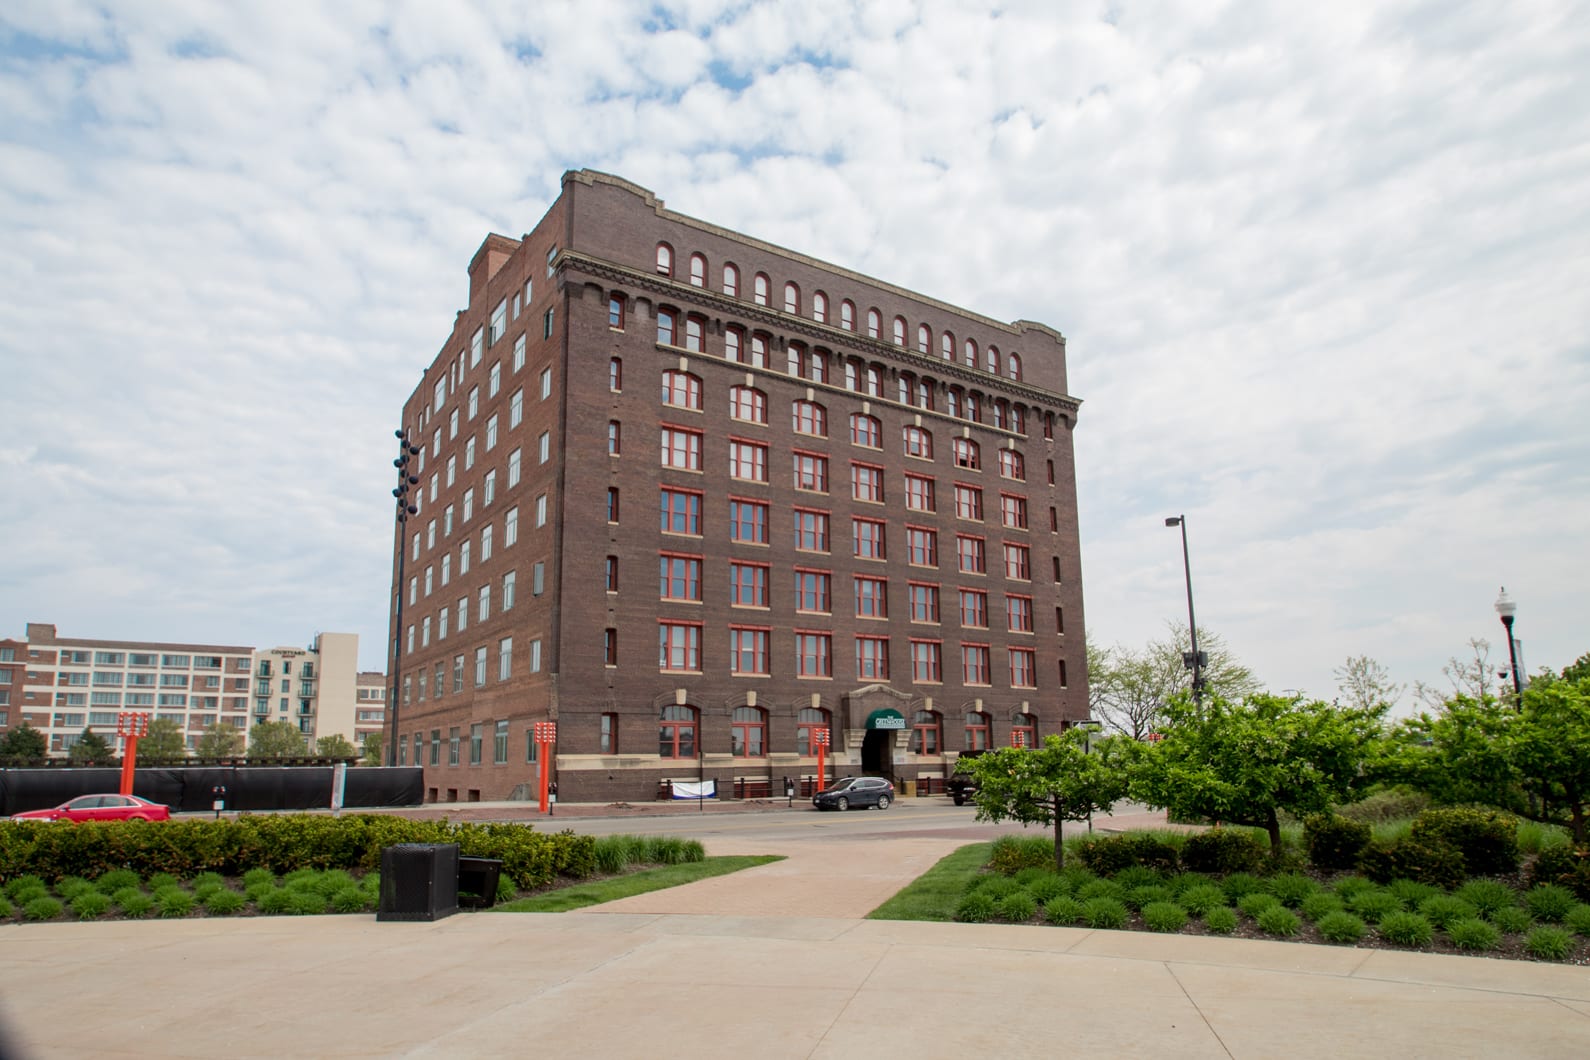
(1507, 610)
(407, 450)
(1194, 660)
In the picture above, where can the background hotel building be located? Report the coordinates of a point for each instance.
(691, 496)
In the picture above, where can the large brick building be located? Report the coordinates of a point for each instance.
(691, 496)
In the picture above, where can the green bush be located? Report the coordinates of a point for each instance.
(205, 883)
(1578, 920)
(1099, 889)
(1222, 920)
(1108, 855)
(1390, 804)
(1406, 929)
(1107, 913)
(1257, 903)
(1533, 837)
(996, 887)
(1442, 909)
(223, 902)
(42, 908)
(116, 879)
(1473, 933)
(1350, 885)
(69, 887)
(1026, 876)
(1164, 916)
(306, 903)
(1135, 876)
(1412, 892)
(1548, 901)
(1291, 888)
(161, 880)
(332, 881)
(20, 885)
(24, 895)
(1202, 898)
(90, 904)
(1374, 906)
(6, 908)
(1319, 905)
(1241, 884)
(1184, 881)
(132, 902)
(1221, 851)
(506, 891)
(1012, 853)
(1422, 860)
(1544, 943)
(1341, 927)
(1279, 920)
(1138, 897)
(975, 908)
(1062, 910)
(173, 902)
(1513, 919)
(1043, 888)
(1018, 908)
(1487, 839)
(255, 877)
(1334, 842)
(277, 901)
(1487, 895)
(258, 892)
(1563, 866)
(351, 900)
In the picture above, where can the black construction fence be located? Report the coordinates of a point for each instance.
(192, 788)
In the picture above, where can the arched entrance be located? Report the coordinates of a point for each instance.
(877, 747)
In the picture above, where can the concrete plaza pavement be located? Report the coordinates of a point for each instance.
(776, 961)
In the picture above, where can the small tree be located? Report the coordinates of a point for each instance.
(220, 741)
(1058, 782)
(374, 747)
(1247, 762)
(1129, 690)
(334, 745)
(1365, 684)
(276, 739)
(165, 745)
(23, 745)
(91, 749)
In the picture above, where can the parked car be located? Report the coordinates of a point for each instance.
(962, 786)
(855, 791)
(100, 808)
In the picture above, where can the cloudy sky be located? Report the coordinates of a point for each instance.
(1324, 271)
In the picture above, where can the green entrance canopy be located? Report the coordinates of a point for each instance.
(886, 718)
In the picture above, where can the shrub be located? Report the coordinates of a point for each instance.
(1410, 858)
(1334, 842)
(6, 908)
(90, 904)
(1351, 885)
(277, 901)
(1291, 888)
(1138, 897)
(1256, 903)
(506, 891)
(1222, 920)
(352, 900)
(1012, 853)
(1239, 885)
(1018, 908)
(1512, 919)
(1279, 920)
(1341, 927)
(257, 893)
(306, 902)
(1545, 943)
(1564, 866)
(116, 879)
(975, 908)
(1533, 837)
(1412, 892)
(16, 887)
(173, 902)
(614, 853)
(372, 882)
(1374, 906)
(1487, 895)
(1108, 855)
(1028, 875)
(223, 902)
(1320, 904)
(25, 894)
(255, 877)
(1047, 886)
(1487, 839)
(1062, 910)
(1135, 876)
(132, 902)
(1183, 881)
(332, 881)
(1223, 850)
(69, 887)
(1391, 804)
(205, 883)
(42, 908)
(162, 880)
(1202, 898)
(1548, 901)
(1164, 916)
(1442, 909)
(1406, 929)
(1472, 933)
(1099, 889)
(1104, 913)
(1578, 920)
(996, 887)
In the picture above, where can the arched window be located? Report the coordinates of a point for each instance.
(817, 370)
(731, 281)
(904, 385)
(820, 307)
(853, 376)
(976, 731)
(926, 733)
(924, 338)
(665, 327)
(810, 418)
(761, 288)
(974, 407)
(792, 298)
(847, 315)
(874, 381)
(952, 401)
(734, 344)
(748, 404)
(918, 443)
(676, 733)
(681, 390)
(924, 394)
(698, 270)
(899, 331)
(758, 358)
(1024, 731)
(808, 720)
(665, 259)
(1001, 414)
(947, 346)
(969, 353)
(695, 327)
(991, 360)
(866, 431)
(1018, 419)
(748, 731)
(874, 324)
(1013, 366)
(615, 312)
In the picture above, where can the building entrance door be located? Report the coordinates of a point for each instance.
(876, 757)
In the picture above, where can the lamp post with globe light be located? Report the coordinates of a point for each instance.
(1507, 609)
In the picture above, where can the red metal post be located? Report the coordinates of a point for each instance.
(130, 726)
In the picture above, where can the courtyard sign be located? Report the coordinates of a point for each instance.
(886, 719)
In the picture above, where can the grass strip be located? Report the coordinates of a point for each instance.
(935, 894)
(610, 890)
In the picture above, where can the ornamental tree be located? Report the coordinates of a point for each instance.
(373, 748)
(164, 745)
(91, 749)
(1247, 762)
(1058, 782)
(220, 740)
(23, 745)
(334, 745)
(276, 739)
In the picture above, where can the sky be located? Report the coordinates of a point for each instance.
(1323, 270)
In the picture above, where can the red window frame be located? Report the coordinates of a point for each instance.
(809, 418)
(921, 546)
(615, 312)
(927, 732)
(747, 460)
(1012, 465)
(698, 270)
(814, 590)
(968, 502)
(920, 493)
(748, 733)
(747, 404)
(748, 521)
(681, 390)
(967, 454)
(676, 732)
(808, 719)
(814, 653)
(810, 471)
(974, 608)
(976, 665)
(679, 511)
(927, 661)
(872, 597)
(748, 650)
(867, 539)
(978, 730)
(812, 530)
(748, 584)
(866, 431)
(924, 601)
(680, 447)
(1023, 668)
(695, 333)
(679, 577)
(1018, 613)
(971, 554)
(678, 647)
(918, 442)
(866, 483)
(1013, 511)
(1018, 562)
(872, 658)
(667, 326)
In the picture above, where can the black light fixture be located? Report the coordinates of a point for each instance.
(1194, 660)
(407, 450)
(1507, 610)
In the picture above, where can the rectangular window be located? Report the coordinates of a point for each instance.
(748, 651)
(921, 546)
(866, 483)
(1018, 613)
(458, 673)
(485, 543)
(474, 402)
(926, 661)
(811, 530)
(867, 538)
(535, 656)
(494, 380)
(924, 602)
(974, 664)
(541, 509)
(488, 488)
(813, 654)
(1023, 668)
(516, 408)
(514, 469)
(546, 324)
(1011, 465)
(504, 658)
(968, 502)
(679, 578)
(681, 448)
(462, 613)
(543, 447)
(518, 353)
(477, 345)
(491, 442)
(436, 746)
(483, 610)
(610, 646)
(611, 575)
(1018, 563)
(480, 667)
(747, 461)
(463, 558)
(748, 522)
(612, 504)
(510, 529)
(872, 658)
(499, 744)
(919, 494)
(679, 647)
(811, 472)
(1013, 511)
(508, 581)
(872, 597)
(970, 555)
(813, 591)
(607, 743)
(615, 438)
(538, 578)
(477, 739)
(681, 511)
(748, 584)
(545, 383)
(974, 609)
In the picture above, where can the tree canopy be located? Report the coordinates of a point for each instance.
(1365, 684)
(91, 749)
(220, 740)
(23, 744)
(374, 746)
(165, 745)
(334, 745)
(1129, 690)
(276, 739)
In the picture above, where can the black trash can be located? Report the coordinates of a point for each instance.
(477, 881)
(419, 881)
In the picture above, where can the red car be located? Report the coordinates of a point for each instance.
(101, 808)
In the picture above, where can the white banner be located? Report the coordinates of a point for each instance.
(691, 789)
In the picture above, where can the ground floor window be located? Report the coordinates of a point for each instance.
(676, 733)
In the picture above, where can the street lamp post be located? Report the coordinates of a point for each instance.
(1507, 610)
(407, 450)
(1194, 660)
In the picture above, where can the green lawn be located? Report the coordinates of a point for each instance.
(935, 894)
(609, 890)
